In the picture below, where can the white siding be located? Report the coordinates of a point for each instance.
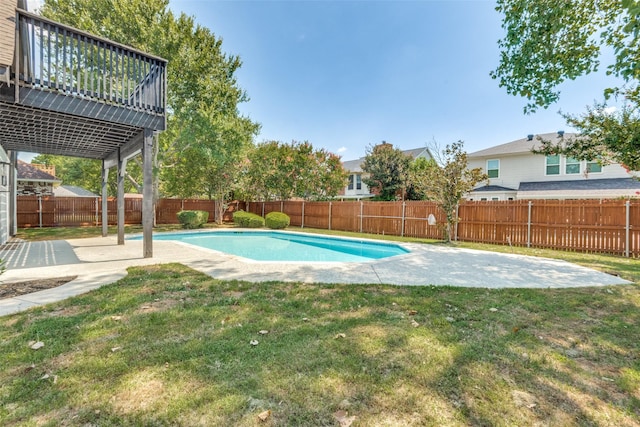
(529, 167)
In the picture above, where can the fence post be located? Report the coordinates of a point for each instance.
(281, 205)
(404, 206)
(626, 229)
(262, 209)
(361, 213)
(529, 224)
(330, 215)
(40, 210)
(302, 220)
(455, 231)
(97, 211)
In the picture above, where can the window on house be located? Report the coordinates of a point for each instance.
(572, 166)
(553, 165)
(495, 199)
(350, 187)
(358, 182)
(493, 168)
(594, 167)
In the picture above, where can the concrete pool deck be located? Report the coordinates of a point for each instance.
(100, 261)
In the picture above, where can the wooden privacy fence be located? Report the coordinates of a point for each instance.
(607, 226)
(38, 211)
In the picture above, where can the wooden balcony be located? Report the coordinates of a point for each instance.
(67, 92)
(72, 93)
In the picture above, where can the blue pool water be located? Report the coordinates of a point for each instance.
(278, 246)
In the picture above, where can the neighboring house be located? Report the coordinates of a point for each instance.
(356, 188)
(36, 180)
(72, 191)
(517, 173)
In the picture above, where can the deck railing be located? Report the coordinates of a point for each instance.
(57, 58)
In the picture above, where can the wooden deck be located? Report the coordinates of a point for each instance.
(67, 92)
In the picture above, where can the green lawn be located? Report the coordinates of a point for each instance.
(170, 346)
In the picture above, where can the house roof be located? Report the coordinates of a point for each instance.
(523, 145)
(491, 188)
(582, 184)
(414, 153)
(72, 191)
(32, 173)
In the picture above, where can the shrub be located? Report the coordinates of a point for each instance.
(277, 220)
(193, 219)
(247, 220)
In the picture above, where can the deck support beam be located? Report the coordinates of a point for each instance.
(13, 193)
(122, 167)
(105, 201)
(147, 194)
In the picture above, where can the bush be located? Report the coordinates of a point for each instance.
(193, 219)
(247, 220)
(277, 220)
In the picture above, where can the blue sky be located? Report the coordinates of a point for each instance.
(347, 74)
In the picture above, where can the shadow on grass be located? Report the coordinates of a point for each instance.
(168, 345)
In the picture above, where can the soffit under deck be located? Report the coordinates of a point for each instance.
(48, 132)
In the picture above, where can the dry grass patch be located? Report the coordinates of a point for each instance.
(388, 355)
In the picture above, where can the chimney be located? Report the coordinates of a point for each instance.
(560, 133)
(530, 137)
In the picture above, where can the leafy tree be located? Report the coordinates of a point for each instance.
(388, 169)
(604, 136)
(209, 163)
(417, 169)
(548, 42)
(281, 171)
(446, 180)
(201, 77)
(87, 173)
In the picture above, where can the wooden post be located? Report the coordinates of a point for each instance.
(361, 213)
(147, 194)
(529, 225)
(105, 202)
(626, 228)
(13, 193)
(404, 207)
(302, 226)
(330, 215)
(40, 211)
(122, 166)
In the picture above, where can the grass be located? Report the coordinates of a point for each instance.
(170, 346)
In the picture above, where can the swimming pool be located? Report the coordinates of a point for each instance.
(286, 246)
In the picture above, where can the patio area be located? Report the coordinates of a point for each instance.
(100, 261)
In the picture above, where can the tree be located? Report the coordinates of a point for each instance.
(387, 168)
(446, 180)
(417, 169)
(604, 136)
(549, 42)
(209, 165)
(86, 173)
(281, 171)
